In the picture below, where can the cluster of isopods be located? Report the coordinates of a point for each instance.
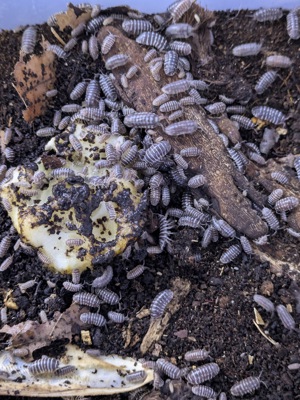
(195, 376)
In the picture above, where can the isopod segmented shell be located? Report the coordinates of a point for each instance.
(278, 61)
(230, 254)
(169, 369)
(42, 366)
(135, 272)
(196, 181)
(78, 90)
(186, 127)
(136, 26)
(246, 246)
(137, 376)
(203, 373)
(116, 61)
(196, 355)
(181, 48)
(204, 391)
(247, 385)
(270, 218)
(57, 50)
(293, 25)
(280, 177)
(152, 39)
(108, 43)
(28, 40)
(176, 87)
(116, 317)
(267, 14)
(160, 303)
(108, 296)
(286, 204)
(179, 31)
(86, 299)
(269, 114)
(146, 120)
(216, 108)
(243, 121)
(247, 49)
(265, 81)
(93, 319)
(171, 62)
(264, 303)
(169, 106)
(66, 370)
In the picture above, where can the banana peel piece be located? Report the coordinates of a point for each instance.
(74, 205)
(105, 375)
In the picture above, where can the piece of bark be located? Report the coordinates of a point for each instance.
(72, 17)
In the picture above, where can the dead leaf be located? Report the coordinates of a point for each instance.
(72, 17)
(33, 80)
(34, 335)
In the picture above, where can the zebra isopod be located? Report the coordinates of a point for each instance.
(181, 48)
(180, 8)
(186, 127)
(136, 26)
(145, 120)
(268, 114)
(264, 303)
(86, 299)
(196, 181)
(270, 218)
(161, 99)
(246, 246)
(157, 152)
(203, 373)
(57, 50)
(66, 370)
(244, 122)
(160, 303)
(42, 366)
(116, 317)
(93, 319)
(108, 43)
(78, 90)
(293, 25)
(286, 204)
(72, 287)
(275, 196)
(169, 106)
(171, 62)
(230, 254)
(116, 61)
(176, 87)
(280, 177)
(196, 355)
(152, 39)
(245, 386)
(169, 369)
(265, 81)
(204, 391)
(108, 296)
(216, 108)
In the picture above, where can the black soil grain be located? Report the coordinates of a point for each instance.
(218, 312)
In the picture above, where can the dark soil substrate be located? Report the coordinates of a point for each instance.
(218, 312)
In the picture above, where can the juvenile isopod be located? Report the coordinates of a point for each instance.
(171, 62)
(145, 120)
(108, 87)
(169, 106)
(42, 366)
(196, 355)
(116, 317)
(26, 285)
(78, 90)
(133, 70)
(297, 166)
(244, 122)
(286, 204)
(135, 377)
(72, 287)
(223, 227)
(176, 87)
(160, 303)
(267, 14)
(247, 49)
(268, 114)
(86, 299)
(280, 177)
(275, 196)
(230, 254)
(94, 24)
(161, 99)
(197, 181)
(104, 279)
(186, 127)
(152, 39)
(169, 369)
(245, 386)
(108, 296)
(92, 319)
(179, 31)
(51, 93)
(4, 245)
(204, 391)
(203, 373)
(70, 44)
(45, 132)
(150, 55)
(278, 61)
(28, 40)
(216, 108)
(108, 43)
(78, 30)
(265, 81)
(66, 370)
(136, 26)
(93, 47)
(116, 61)
(6, 263)
(264, 303)
(270, 218)
(57, 50)
(181, 48)
(292, 22)
(246, 246)
(236, 109)
(190, 152)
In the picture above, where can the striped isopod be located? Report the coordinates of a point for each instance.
(207, 236)
(108, 43)
(66, 370)
(78, 90)
(70, 44)
(169, 106)
(204, 391)
(180, 8)
(92, 319)
(247, 385)
(57, 50)
(4, 245)
(92, 114)
(244, 122)
(285, 317)
(179, 31)
(175, 212)
(160, 302)
(136, 377)
(152, 39)
(93, 47)
(265, 303)
(187, 101)
(190, 152)
(108, 87)
(154, 250)
(111, 153)
(75, 143)
(246, 246)
(145, 120)
(180, 161)
(185, 127)
(230, 254)
(216, 108)
(258, 158)
(261, 241)
(275, 196)
(150, 55)
(51, 93)
(223, 227)
(270, 218)
(165, 226)
(45, 132)
(157, 152)
(236, 109)
(116, 317)
(64, 123)
(269, 114)
(155, 70)
(267, 14)
(43, 365)
(265, 81)
(292, 21)
(71, 108)
(78, 30)
(278, 61)
(156, 180)
(184, 63)
(196, 355)
(297, 166)
(76, 276)
(28, 40)
(197, 97)
(86, 299)
(170, 62)
(116, 61)
(155, 195)
(286, 204)
(112, 214)
(176, 87)
(129, 155)
(196, 181)
(72, 287)
(192, 222)
(169, 369)
(6, 263)
(225, 99)
(104, 279)
(108, 296)
(136, 26)
(165, 195)
(92, 94)
(203, 373)
(133, 70)
(247, 49)
(94, 24)
(280, 177)
(62, 172)
(158, 382)
(181, 48)
(96, 9)
(161, 99)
